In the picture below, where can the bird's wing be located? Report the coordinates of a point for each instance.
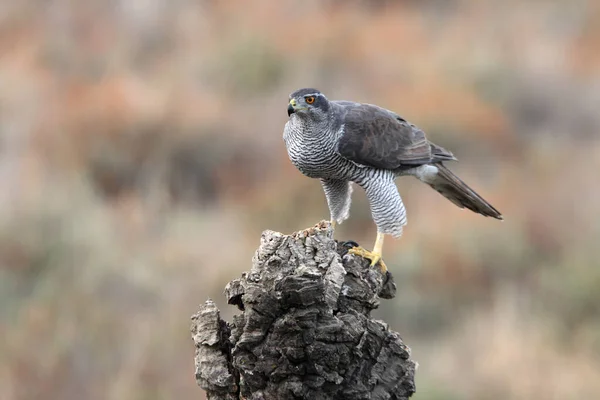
(379, 138)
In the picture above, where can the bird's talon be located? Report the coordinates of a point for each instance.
(369, 255)
(358, 251)
(350, 244)
(383, 268)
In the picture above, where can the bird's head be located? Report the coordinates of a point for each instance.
(308, 103)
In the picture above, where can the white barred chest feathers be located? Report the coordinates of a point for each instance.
(314, 153)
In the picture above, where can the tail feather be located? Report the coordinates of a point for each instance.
(454, 189)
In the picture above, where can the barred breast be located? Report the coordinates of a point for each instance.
(313, 152)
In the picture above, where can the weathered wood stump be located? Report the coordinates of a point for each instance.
(305, 329)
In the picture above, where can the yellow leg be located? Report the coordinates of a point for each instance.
(332, 223)
(375, 255)
(378, 247)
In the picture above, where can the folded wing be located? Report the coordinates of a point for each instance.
(379, 138)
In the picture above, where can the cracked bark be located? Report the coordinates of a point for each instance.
(305, 330)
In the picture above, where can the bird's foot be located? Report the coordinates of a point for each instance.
(369, 255)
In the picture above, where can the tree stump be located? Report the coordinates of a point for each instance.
(305, 330)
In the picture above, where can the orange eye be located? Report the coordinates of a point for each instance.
(310, 99)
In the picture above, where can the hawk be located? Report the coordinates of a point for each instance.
(343, 142)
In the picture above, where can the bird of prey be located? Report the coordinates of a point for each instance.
(343, 142)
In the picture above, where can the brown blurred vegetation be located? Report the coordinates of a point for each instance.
(141, 157)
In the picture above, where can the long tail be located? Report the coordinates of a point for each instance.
(454, 189)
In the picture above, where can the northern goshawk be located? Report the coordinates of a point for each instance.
(341, 142)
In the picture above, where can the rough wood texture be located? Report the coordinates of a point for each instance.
(305, 330)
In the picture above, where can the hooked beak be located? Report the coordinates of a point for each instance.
(291, 107)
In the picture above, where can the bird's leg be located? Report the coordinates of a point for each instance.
(375, 255)
(338, 194)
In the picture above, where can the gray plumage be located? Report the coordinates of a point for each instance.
(342, 142)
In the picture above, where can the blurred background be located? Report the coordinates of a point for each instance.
(141, 157)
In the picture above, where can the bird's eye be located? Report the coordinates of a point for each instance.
(310, 99)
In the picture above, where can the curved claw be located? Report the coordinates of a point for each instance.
(349, 244)
(369, 255)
